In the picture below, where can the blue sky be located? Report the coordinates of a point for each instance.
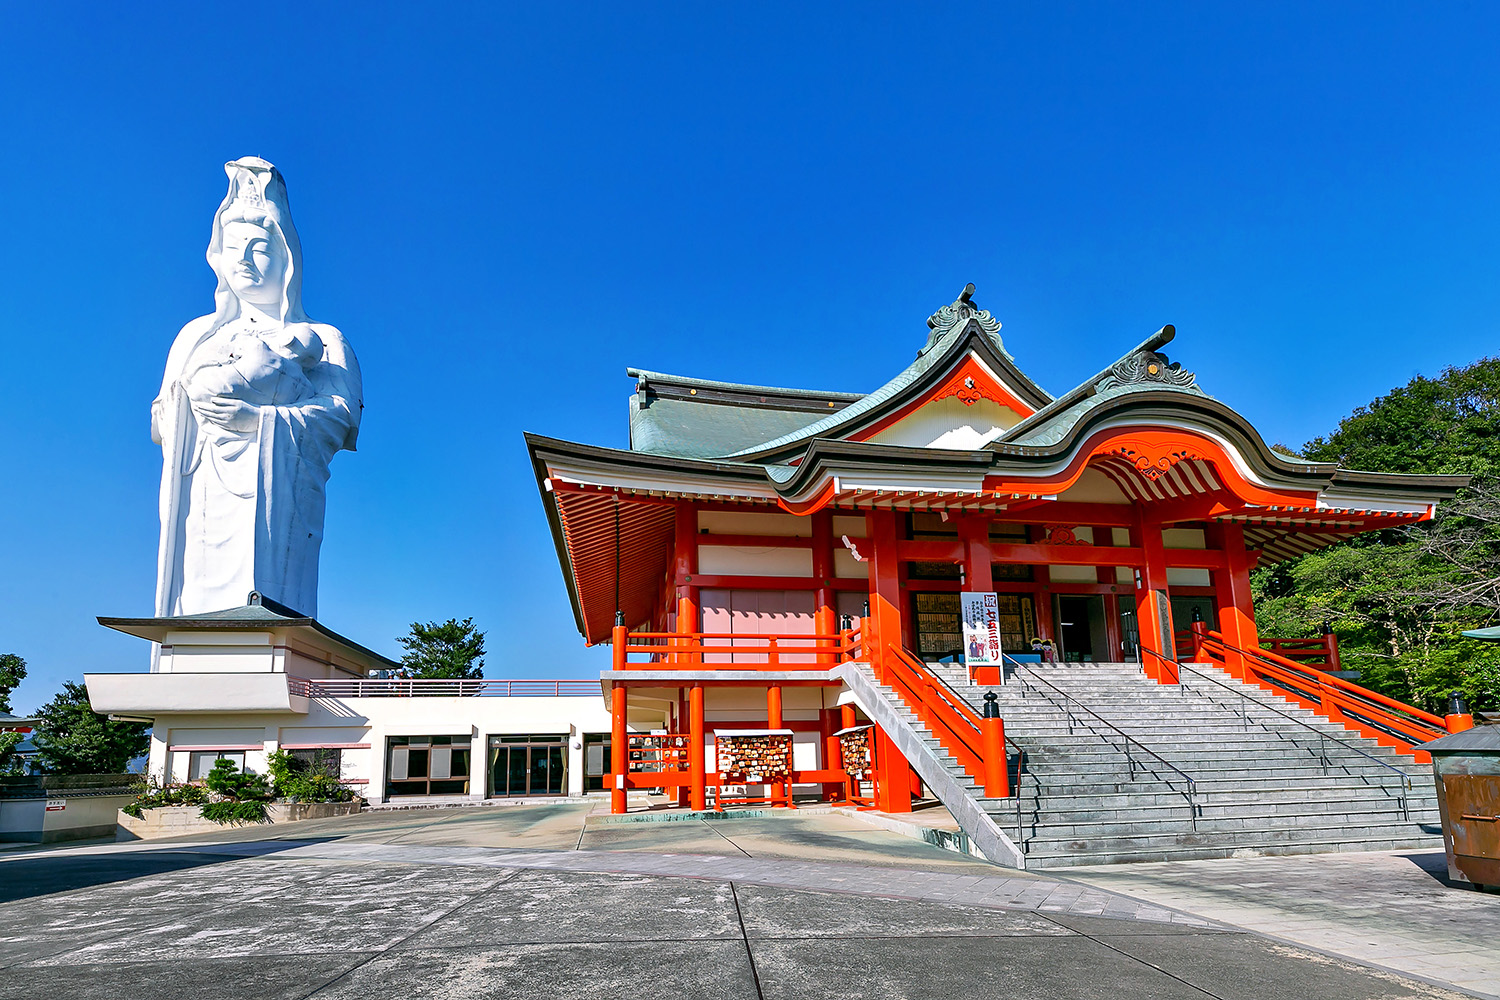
(504, 206)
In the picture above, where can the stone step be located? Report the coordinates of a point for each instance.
(1261, 785)
(1072, 859)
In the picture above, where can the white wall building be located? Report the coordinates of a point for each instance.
(244, 682)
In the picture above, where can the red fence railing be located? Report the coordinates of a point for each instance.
(1322, 652)
(1389, 722)
(699, 650)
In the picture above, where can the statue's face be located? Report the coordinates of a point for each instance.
(253, 263)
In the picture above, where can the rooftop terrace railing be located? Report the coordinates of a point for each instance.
(401, 687)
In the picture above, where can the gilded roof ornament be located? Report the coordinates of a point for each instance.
(955, 316)
(1144, 368)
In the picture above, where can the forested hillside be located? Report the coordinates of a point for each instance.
(1399, 599)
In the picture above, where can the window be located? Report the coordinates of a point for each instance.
(528, 765)
(596, 762)
(939, 624)
(427, 765)
(321, 760)
(200, 762)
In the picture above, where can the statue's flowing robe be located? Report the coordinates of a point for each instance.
(243, 510)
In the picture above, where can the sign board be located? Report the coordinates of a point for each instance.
(56, 805)
(981, 615)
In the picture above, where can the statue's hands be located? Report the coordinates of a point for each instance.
(230, 414)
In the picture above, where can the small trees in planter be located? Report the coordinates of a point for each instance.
(297, 781)
(238, 796)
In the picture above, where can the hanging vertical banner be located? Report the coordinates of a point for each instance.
(981, 613)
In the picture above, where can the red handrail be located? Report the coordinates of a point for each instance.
(1389, 722)
(1322, 652)
(952, 720)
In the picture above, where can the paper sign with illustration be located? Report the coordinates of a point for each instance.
(981, 614)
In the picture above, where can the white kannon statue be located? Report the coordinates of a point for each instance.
(256, 401)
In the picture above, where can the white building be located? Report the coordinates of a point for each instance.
(244, 682)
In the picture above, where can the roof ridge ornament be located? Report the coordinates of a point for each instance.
(1145, 367)
(955, 316)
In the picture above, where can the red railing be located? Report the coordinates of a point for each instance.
(1389, 722)
(1322, 652)
(950, 718)
(700, 650)
(397, 687)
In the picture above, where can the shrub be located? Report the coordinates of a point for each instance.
(237, 796)
(250, 811)
(297, 780)
(152, 794)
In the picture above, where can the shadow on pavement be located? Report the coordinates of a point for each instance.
(44, 874)
(1435, 864)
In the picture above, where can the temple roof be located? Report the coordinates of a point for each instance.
(960, 429)
(763, 424)
(259, 614)
(700, 418)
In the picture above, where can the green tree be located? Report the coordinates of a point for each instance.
(453, 650)
(1399, 599)
(12, 669)
(71, 738)
(10, 760)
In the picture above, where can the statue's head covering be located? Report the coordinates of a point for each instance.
(257, 193)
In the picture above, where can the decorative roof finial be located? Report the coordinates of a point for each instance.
(956, 316)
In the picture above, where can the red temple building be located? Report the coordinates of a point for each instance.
(779, 572)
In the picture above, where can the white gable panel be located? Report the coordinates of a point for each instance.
(948, 423)
(1093, 487)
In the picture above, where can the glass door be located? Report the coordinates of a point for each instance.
(528, 765)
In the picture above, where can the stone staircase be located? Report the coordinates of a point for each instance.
(1088, 795)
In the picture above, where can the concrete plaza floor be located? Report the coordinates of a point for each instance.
(546, 901)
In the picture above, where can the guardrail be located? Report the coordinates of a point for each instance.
(1322, 652)
(1323, 738)
(1389, 722)
(1129, 745)
(401, 687)
(697, 650)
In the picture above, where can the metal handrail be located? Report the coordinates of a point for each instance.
(1322, 736)
(1021, 752)
(1068, 703)
(1370, 701)
(405, 687)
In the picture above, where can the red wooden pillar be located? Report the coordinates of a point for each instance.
(996, 767)
(619, 750)
(696, 771)
(825, 612)
(773, 717)
(684, 567)
(1153, 608)
(885, 588)
(1236, 607)
(893, 788)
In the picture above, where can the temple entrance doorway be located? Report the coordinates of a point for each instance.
(1081, 633)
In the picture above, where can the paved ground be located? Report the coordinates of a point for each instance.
(537, 902)
(1396, 909)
